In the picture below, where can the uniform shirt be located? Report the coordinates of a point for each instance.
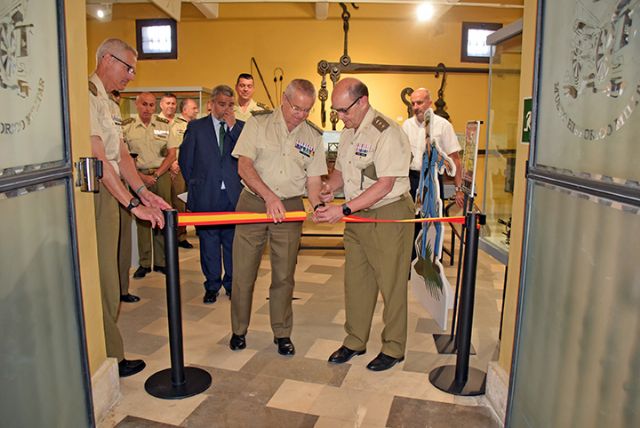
(378, 148)
(149, 142)
(441, 130)
(245, 115)
(176, 133)
(282, 159)
(102, 121)
(161, 115)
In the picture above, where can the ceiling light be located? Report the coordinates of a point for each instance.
(100, 13)
(424, 12)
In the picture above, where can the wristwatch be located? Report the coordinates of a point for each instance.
(134, 202)
(346, 210)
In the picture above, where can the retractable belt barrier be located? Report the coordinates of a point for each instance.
(220, 218)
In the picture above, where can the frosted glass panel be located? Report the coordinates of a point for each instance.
(578, 352)
(42, 371)
(31, 108)
(588, 118)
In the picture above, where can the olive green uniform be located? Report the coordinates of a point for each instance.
(283, 160)
(377, 255)
(124, 240)
(178, 186)
(150, 142)
(245, 115)
(107, 216)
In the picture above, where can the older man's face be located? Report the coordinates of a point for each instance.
(221, 104)
(122, 68)
(190, 110)
(420, 103)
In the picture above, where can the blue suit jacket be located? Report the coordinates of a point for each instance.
(204, 168)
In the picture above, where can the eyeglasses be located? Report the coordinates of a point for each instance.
(130, 69)
(346, 110)
(297, 109)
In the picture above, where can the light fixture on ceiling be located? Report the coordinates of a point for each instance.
(99, 11)
(424, 12)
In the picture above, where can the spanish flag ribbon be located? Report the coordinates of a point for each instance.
(222, 218)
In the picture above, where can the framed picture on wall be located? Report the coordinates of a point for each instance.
(156, 39)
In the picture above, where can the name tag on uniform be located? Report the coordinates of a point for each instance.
(305, 149)
(363, 149)
(117, 120)
(160, 133)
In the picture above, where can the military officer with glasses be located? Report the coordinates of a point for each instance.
(280, 154)
(372, 167)
(115, 69)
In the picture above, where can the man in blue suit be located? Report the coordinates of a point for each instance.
(213, 184)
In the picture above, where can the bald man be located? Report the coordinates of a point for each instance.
(372, 167)
(441, 131)
(148, 136)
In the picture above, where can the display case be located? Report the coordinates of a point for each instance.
(198, 93)
(501, 139)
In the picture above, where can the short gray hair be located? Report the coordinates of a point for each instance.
(113, 45)
(224, 90)
(302, 85)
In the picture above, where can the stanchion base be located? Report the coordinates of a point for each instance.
(446, 344)
(196, 381)
(444, 377)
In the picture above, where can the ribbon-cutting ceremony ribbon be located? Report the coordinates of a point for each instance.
(220, 218)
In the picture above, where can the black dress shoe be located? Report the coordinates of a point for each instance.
(237, 342)
(228, 293)
(344, 354)
(129, 298)
(285, 346)
(130, 367)
(185, 244)
(160, 269)
(383, 362)
(141, 272)
(210, 297)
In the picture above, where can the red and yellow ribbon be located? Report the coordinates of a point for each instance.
(222, 218)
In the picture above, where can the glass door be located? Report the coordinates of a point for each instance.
(44, 376)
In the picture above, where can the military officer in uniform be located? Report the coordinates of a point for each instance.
(148, 136)
(188, 112)
(115, 68)
(373, 167)
(246, 105)
(168, 105)
(279, 154)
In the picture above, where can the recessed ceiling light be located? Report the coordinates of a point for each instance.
(424, 12)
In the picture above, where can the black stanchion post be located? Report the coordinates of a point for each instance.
(462, 379)
(177, 381)
(448, 343)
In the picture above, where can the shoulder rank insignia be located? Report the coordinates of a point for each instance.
(314, 126)
(263, 106)
(128, 121)
(180, 119)
(93, 88)
(380, 123)
(162, 120)
(261, 112)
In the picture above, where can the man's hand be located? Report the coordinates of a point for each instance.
(229, 118)
(275, 209)
(154, 215)
(174, 170)
(328, 214)
(148, 180)
(150, 199)
(326, 194)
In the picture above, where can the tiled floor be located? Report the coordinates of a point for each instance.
(257, 387)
